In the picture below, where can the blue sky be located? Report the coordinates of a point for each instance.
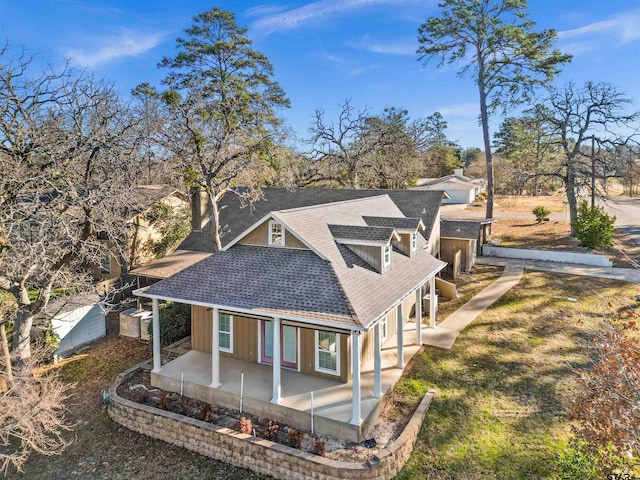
(324, 51)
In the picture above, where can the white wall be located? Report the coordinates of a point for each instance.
(548, 255)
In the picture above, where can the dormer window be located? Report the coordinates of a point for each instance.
(276, 234)
(387, 255)
(414, 241)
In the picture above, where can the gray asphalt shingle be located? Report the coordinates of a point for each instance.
(403, 223)
(358, 232)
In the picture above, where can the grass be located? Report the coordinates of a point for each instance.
(525, 204)
(468, 285)
(503, 389)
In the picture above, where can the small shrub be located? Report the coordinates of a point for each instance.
(574, 462)
(175, 322)
(164, 402)
(205, 412)
(245, 426)
(295, 438)
(272, 430)
(593, 227)
(541, 213)
(320, 447)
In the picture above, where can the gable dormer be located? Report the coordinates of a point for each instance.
(407, 229)
(372, 244)
(272, 233)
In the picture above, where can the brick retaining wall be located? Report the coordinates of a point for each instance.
(257, 454)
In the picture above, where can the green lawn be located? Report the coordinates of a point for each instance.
(503, 389)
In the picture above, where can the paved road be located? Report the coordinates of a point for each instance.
(627, 212)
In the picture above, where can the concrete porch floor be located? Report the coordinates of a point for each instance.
(332, 399)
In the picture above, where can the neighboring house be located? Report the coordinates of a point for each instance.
(76, 321)
(458, 188)
(310, 298)
(461, 242)
(142, 234)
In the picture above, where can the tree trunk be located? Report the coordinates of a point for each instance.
(7, 356)
(484, 118)
(214, 221)
(22, 335)
(570, 184)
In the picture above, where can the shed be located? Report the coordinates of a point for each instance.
(77, 321)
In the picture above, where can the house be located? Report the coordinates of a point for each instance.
(142, 233)
(304, 300)
(458, 188)
(461, 241)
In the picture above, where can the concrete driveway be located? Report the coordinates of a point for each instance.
(627, 212)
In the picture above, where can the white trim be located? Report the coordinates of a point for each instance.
(282, 241)
(278, 220)
(386, 262)
(230, 332)
(316, 348)
(329, 325)
(364, 243)
(414, 242)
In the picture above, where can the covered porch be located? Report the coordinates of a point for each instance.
(191, 373)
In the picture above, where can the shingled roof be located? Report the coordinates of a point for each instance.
(326, 284)
(281, 281)
(401, 223)
(362, 233)
(236, 217)
(464, 229)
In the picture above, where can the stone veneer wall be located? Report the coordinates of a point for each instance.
(257, 454)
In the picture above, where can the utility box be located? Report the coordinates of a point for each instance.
(426, 303)
(131, 320)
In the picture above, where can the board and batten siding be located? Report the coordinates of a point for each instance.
(308, 356)
(449, 247)
(260, 237)
(245, 335)
(371, 255)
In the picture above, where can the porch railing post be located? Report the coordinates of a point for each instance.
(157, 360)
(215, 349)
(277, 397)
(400, 336)
(419, 316)
(433, 298)
(377, 363)
(355, 381)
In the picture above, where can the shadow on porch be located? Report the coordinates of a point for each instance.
(332, 399)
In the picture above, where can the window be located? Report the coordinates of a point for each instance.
(276, 234)
(387, 255)
(225, 333)
(414, 241)
(327, 352)
(105, 264)
(383, 329)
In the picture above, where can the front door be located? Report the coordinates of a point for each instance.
(288, 344)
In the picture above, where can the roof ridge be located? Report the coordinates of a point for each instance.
(324, 205)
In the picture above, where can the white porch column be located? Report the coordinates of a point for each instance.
(355, 369)
(215, 349)
(400, 336)
(432, 302)
(419, 316)
(157, 361)
(377, 363)
(276, 362)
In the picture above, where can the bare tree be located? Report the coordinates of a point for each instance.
(345, 145)
(574, 117)
(32, 417)
(65, 145)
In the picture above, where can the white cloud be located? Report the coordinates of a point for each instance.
(297, 17)
(459, 109)
(108, 49)
(625, 26)
(402, 47)
(265, 9)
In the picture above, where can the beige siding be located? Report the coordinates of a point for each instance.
(260, 236)
(434, 239)
(370, 254)
(449, 247)
(308, 355)
(405, 244)
(245, 335)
